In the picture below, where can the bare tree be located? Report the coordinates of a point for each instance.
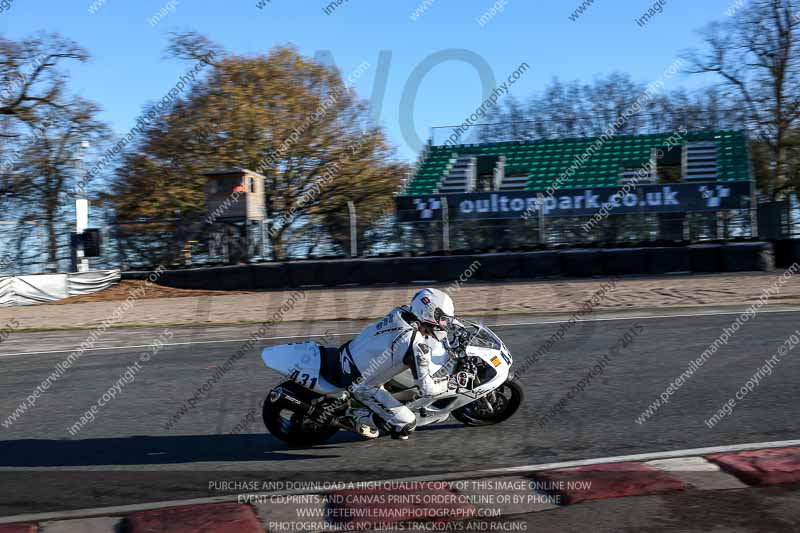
(756, 56)
(30, 82)
(575, 109)
(30, 75)
(48, 167)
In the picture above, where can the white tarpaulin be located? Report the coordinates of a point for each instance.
(29, 290)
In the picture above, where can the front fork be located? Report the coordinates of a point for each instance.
(487, 402)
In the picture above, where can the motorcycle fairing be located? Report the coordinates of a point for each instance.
(300, 362)
(495, 359)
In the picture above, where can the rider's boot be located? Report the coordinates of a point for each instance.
(362, 423)
(402, 433)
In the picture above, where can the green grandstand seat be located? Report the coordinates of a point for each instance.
(545, 160)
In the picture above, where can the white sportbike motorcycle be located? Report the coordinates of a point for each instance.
(311, 406)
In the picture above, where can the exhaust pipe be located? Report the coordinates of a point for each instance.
(279, 394)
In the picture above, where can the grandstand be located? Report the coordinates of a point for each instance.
(516, 166)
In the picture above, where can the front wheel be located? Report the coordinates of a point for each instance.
(496, 407)
(291, 427)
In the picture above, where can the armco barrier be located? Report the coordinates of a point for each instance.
(581, 263)
(668, 260)
(326, 273)
(705, 257)
(173, 278)
(499, 266)
(377, 271)
(304, 273)
(445, 268)
(136, 275)
(410, 269)
(787, 252)
(746, 256)
(330, 273)
(622, 261)
(459, 266)
(224, 278)
(270, 276)
(350, 271)
(540, 264)
(734, 257)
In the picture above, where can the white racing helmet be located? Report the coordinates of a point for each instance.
(435, 309)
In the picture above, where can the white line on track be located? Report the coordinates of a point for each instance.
(309, 336)
(125, 509)
(221, 341)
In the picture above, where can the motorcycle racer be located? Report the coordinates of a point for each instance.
(387, 348)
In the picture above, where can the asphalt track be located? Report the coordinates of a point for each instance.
(128, 456)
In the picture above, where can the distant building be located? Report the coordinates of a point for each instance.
(236, 215)
(236, 194)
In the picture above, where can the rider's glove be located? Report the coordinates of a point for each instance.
(440, 386)
(435, 387)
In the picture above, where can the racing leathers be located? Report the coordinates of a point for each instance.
(381, 352)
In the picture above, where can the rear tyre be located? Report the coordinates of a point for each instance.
(291, 427)
(505, 401)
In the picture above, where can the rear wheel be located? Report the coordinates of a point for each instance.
(496, 407)
(292, 427)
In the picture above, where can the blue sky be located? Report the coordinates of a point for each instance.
(129, 66)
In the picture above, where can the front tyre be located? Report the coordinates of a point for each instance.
(504, 402)
(292, 427)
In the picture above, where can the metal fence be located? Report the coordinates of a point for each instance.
(355, 237)
(23, 248)
(509, 234)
